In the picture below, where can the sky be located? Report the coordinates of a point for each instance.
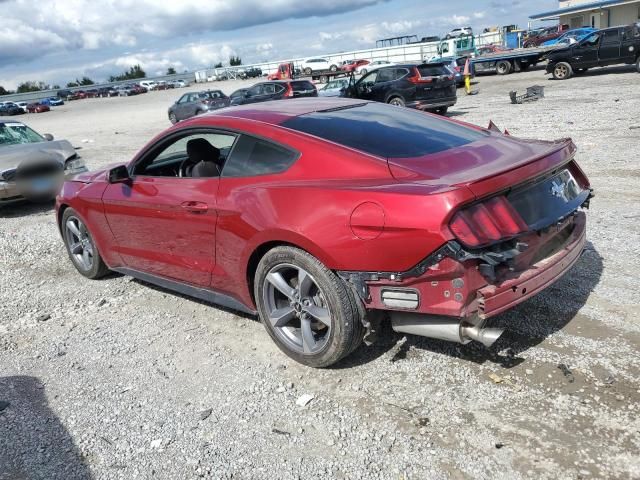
(61, 40)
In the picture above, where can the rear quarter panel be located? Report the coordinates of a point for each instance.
(311, 206)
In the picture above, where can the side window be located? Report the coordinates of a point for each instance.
(255, 90)
(165, 159)
(253, 156)
(183, 99)
(400, 73)
(385, 75)
(611, 37)
(592, 41)
(369, 79)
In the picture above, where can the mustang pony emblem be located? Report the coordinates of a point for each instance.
(559, 189)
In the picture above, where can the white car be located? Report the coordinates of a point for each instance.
(364, 69)
(148, 85)
(23, 106)
(460, 32)
(311, 65)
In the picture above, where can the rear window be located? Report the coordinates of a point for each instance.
(302, 85)
(385, 131)
(432, 70)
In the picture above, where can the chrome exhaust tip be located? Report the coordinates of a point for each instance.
(486, 336)
(444, 328)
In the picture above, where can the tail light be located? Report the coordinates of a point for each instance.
(487, 222)
(416, 78)
(289, 92)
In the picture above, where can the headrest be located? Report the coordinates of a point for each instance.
(200, 149)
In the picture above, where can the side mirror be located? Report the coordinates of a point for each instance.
(48, 137)
(119, 174)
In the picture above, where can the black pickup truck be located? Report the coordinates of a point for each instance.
(610, 46)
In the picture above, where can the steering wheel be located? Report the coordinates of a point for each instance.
(186, 166)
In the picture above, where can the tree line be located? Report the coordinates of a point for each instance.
(135, 72)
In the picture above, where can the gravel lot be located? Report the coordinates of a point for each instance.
(116, 379)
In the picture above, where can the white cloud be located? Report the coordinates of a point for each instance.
(58, 26)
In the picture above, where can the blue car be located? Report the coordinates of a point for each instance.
(52, 101)
(569, 37)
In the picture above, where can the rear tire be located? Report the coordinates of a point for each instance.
(307, 71)
(396, 101)
(503, 67)
(81, 248)
(638, 65)
(324, 79)
(562, 71)
(289, 283)
(442, 110)
(333, 68)
(363, 71)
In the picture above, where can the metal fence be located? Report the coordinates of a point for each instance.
(416, 52)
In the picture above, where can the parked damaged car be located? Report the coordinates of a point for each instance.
(428, 86)
(432, 224)
(196, 103)
(33, 166)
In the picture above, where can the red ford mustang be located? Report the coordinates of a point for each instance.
(316, 213)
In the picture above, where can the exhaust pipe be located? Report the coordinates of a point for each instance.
(443, 328)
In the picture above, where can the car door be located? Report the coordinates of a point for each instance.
(585, 53)
(384, 84)
(180, 109)
(609, 49)
(165, 225)
(364, 86)
(628, 50)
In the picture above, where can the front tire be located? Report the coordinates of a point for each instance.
(172, 118)
(638, 65)
(363, 71)
(81, 248)
(442, 110)
(309, 312)
(562, 71)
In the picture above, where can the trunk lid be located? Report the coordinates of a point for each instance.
(489, 165)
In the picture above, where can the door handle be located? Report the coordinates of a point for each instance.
(195, 207)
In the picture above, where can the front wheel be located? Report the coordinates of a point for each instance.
(363, 71)
(172, 118)
(442, 110)
(310, 313)
(638, 65)
(81, 248)
(562, 71)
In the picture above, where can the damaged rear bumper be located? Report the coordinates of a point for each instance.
(450, 295)
(515, 288)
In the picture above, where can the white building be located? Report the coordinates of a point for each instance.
(587, 13)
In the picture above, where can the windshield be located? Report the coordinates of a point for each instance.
(17, 133)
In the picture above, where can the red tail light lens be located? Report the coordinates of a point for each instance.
(416, 78)
(487, 222)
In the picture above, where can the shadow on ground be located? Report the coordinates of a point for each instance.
(526, 325)
(24, 209)
(34, 444)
